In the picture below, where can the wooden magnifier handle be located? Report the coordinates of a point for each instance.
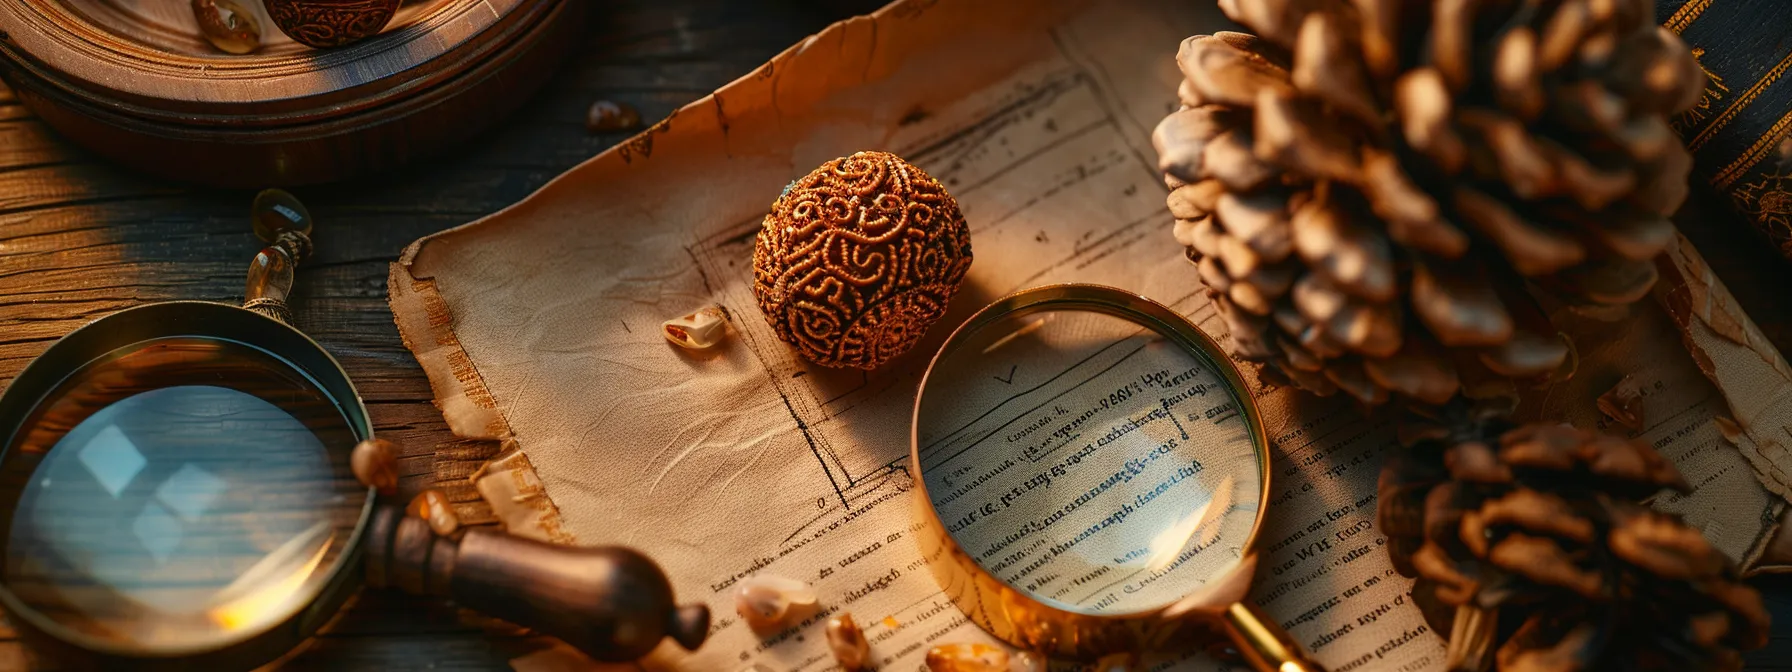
(1265, 645)
(613, 603)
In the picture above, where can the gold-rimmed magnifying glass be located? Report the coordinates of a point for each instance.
(1092, 475)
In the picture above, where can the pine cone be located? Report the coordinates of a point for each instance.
(1367, 185)
(1531, 538)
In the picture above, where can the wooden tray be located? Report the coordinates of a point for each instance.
(133, 80)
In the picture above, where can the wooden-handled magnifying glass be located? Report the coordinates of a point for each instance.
(176, 491)
(1091, 475)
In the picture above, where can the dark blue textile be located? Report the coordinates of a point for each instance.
(1736, 130)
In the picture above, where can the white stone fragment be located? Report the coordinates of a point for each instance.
(700, 330)
(767, 601)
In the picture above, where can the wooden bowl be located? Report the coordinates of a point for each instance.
(135, 81)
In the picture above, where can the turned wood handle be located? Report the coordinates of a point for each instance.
(611, 602)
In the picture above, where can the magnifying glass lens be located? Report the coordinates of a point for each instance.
(1088, 460)
(176, 495)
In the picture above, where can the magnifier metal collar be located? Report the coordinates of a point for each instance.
(1217, 608)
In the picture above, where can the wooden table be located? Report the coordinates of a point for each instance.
(80, 239)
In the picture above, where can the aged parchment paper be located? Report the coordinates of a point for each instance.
(539, 325)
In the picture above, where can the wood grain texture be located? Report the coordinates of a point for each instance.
(80, 238)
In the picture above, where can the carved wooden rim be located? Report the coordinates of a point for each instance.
(90, 62)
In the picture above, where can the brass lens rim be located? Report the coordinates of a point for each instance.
(1076, 634)
(202, 319)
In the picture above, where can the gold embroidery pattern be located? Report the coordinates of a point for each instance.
(1736, 108)
(1714, 92)
(858, 258)
(1765, 144)
(1768, 202)
(1684, 16)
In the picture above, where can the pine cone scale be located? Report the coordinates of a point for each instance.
(1348, 254)
(1459, 307)
(1324, 67)
(1543, 561)
(1532, 250)
(1221, 72)
(1518, 85)
(1294, 135)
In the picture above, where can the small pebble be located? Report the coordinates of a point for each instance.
(608, 116)
(1623, 404)
(767, 602)
(967, 658)
(431, 505)
(375, 463)
(1027, 661)
(848, 642)
(227, 25)
(699, 330)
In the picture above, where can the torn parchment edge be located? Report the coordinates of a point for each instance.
(426, 327)
(509, 483)
(1711, 320)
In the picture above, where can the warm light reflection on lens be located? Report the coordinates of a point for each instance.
(1200, 527)
(1031, 326)
(269, 589)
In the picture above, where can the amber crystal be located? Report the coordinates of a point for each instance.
(851, 650)
(433, 506)
(227, 25)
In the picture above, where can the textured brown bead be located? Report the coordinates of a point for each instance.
(858, 258)
(330, 23)
(375, 463)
